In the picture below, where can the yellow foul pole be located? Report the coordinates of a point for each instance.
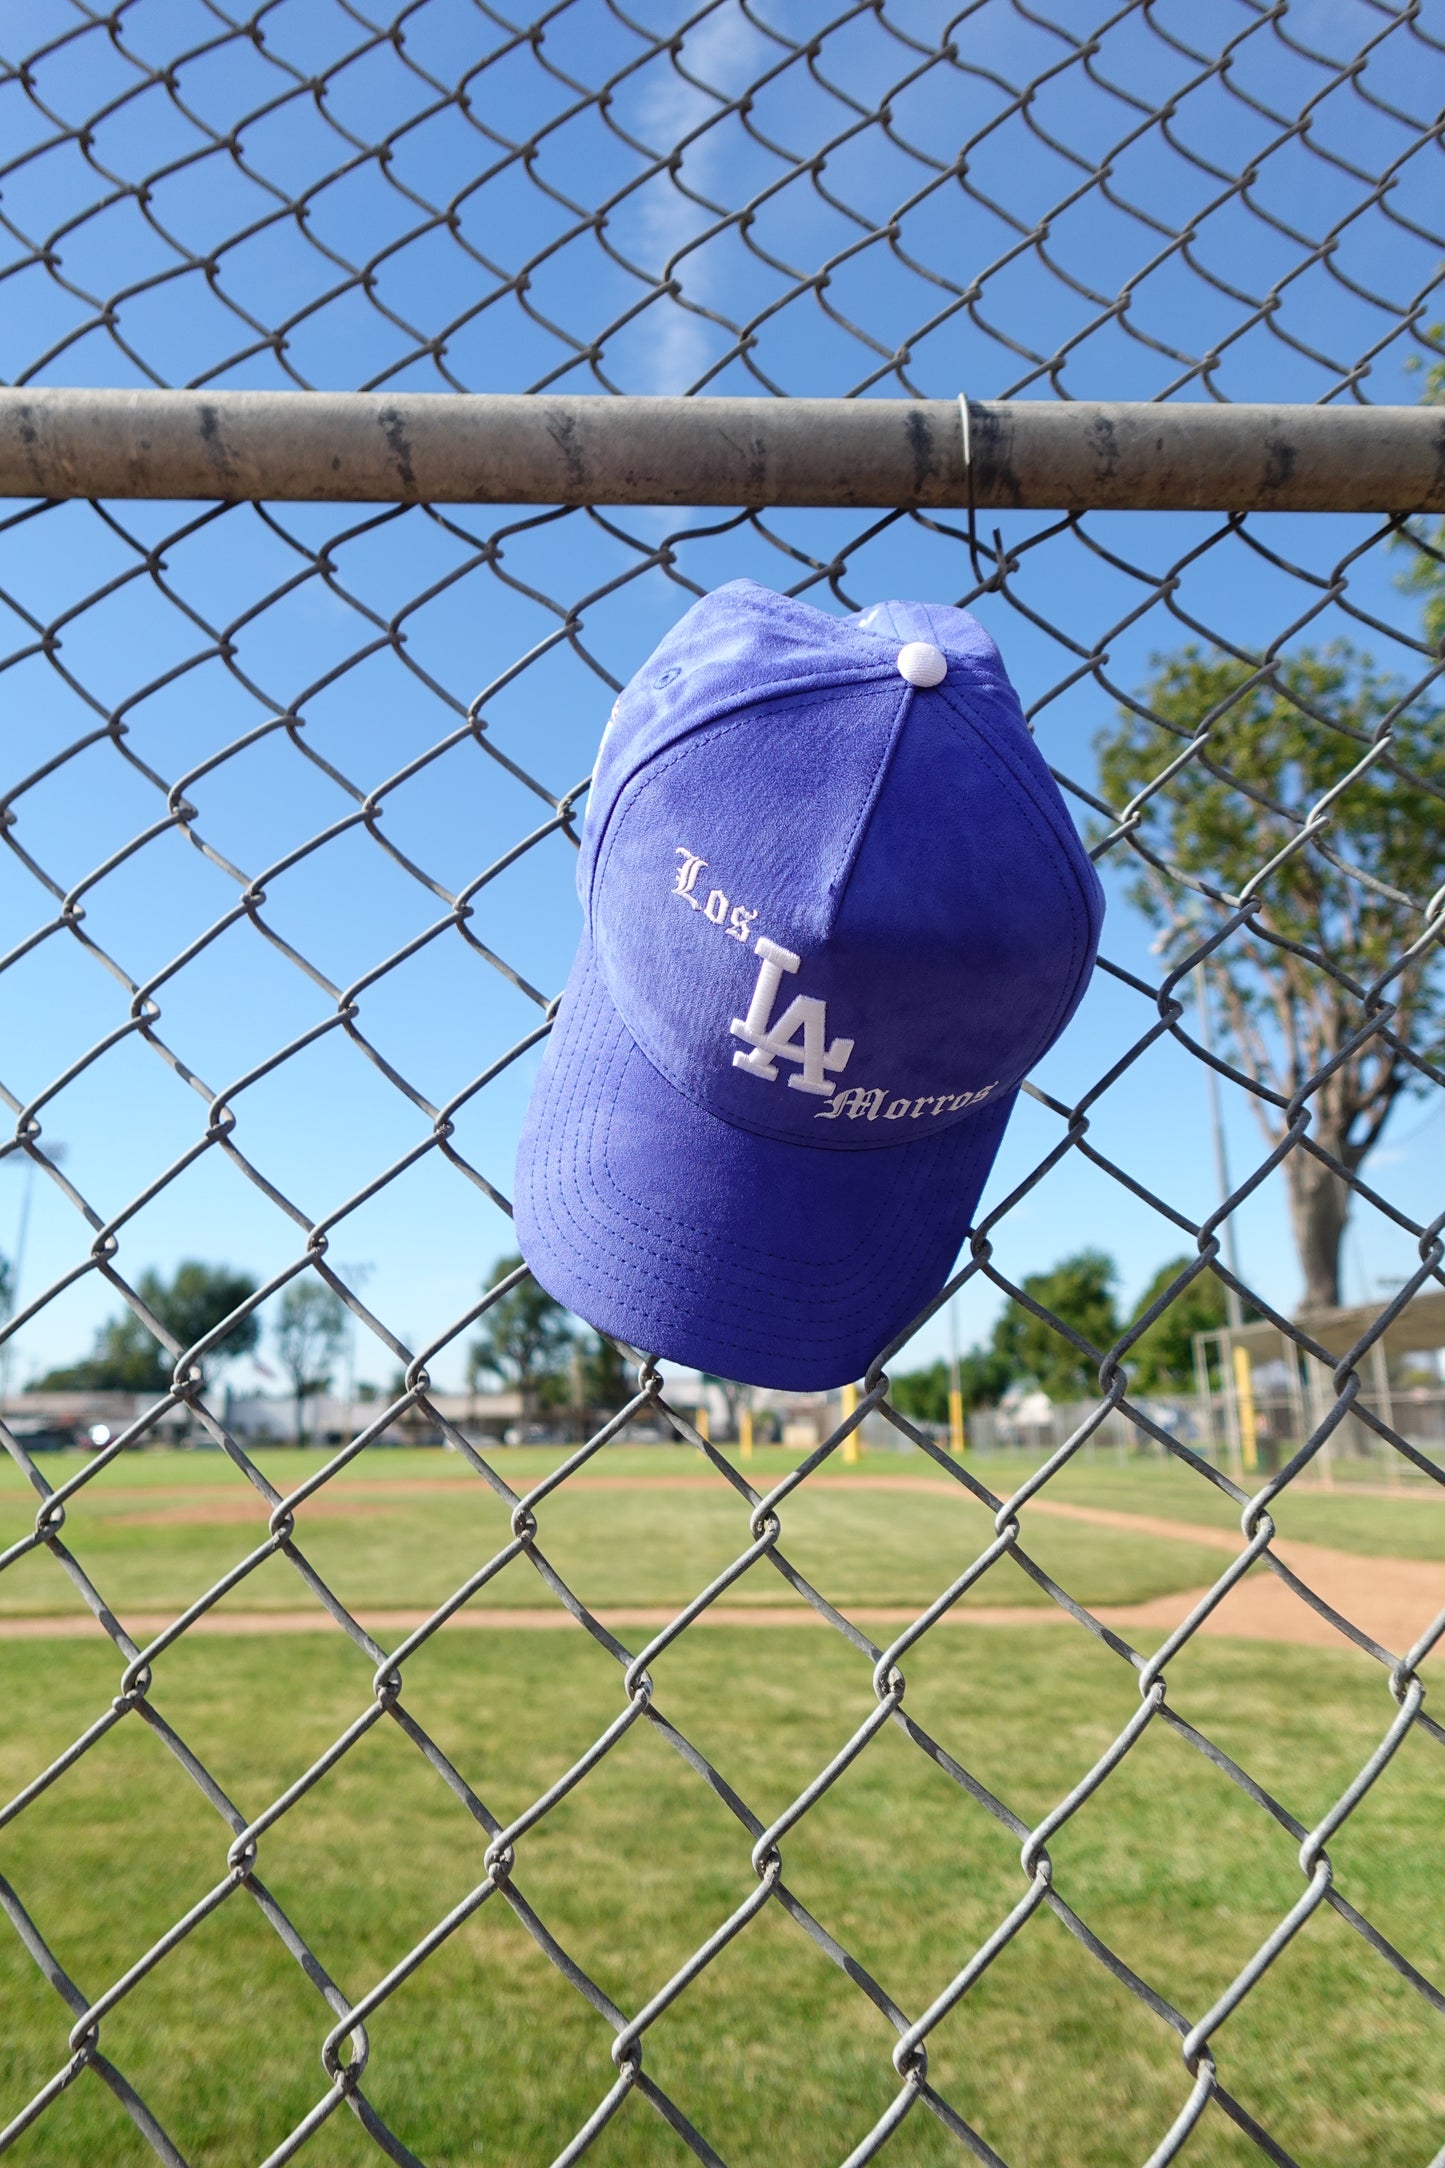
(1244, 1394)
(852, 1450)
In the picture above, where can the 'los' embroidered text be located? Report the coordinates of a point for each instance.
(736, 919)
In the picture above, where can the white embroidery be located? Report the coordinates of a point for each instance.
(772, 1042)
(800, 1034)
(687, 874)
(736, 919)
(862, 1102)
(853, 1103)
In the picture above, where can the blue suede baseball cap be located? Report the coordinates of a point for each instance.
(834, 911)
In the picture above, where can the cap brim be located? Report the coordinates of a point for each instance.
(743, 1256)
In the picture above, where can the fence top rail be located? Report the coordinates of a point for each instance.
(501, 448)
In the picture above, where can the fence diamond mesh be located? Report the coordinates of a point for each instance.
(289, 792)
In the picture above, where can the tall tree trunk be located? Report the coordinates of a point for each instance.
(1319, 1205)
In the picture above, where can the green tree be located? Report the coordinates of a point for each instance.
(127, 1356)
(984, 1376)
(606, 1383)
(1079, 1291)
(526, 1340)
(1425, 574)
(198, 1299)
(921, 1395)
(1163, 1357)
(310, 1334)
(1351, 901)
(597, 1383)
(735, 1397)
(7, 1303)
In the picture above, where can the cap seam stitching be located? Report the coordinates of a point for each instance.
(1012, 781)
(727, 716)
(1074, 893)
(854, 844)
(642, 1241)
(906, 1173)
(726, 1253)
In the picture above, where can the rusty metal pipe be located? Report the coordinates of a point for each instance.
(496, 448)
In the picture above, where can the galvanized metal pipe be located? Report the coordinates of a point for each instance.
(496, 448)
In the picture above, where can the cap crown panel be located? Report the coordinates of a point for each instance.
(738, 647)
(972, 912)
(745, 830)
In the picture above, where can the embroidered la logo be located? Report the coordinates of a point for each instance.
(799, 1035)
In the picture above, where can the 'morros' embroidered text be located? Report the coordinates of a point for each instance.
(860, 1103)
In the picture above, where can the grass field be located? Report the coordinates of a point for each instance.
(406, 1528)
(488, 2056)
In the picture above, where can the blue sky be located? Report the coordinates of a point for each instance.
(329, 1121)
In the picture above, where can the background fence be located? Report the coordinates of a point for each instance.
(291, 800)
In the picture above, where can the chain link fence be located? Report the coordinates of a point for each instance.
(289, 792)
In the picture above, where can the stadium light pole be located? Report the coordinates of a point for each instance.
(1233, 1309)
(355, 1275)
(1240, 1410)
(55, 1153)
(956, 1437)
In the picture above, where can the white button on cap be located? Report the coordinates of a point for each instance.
(922, 664)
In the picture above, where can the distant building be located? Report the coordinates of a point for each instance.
(52, 1421)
